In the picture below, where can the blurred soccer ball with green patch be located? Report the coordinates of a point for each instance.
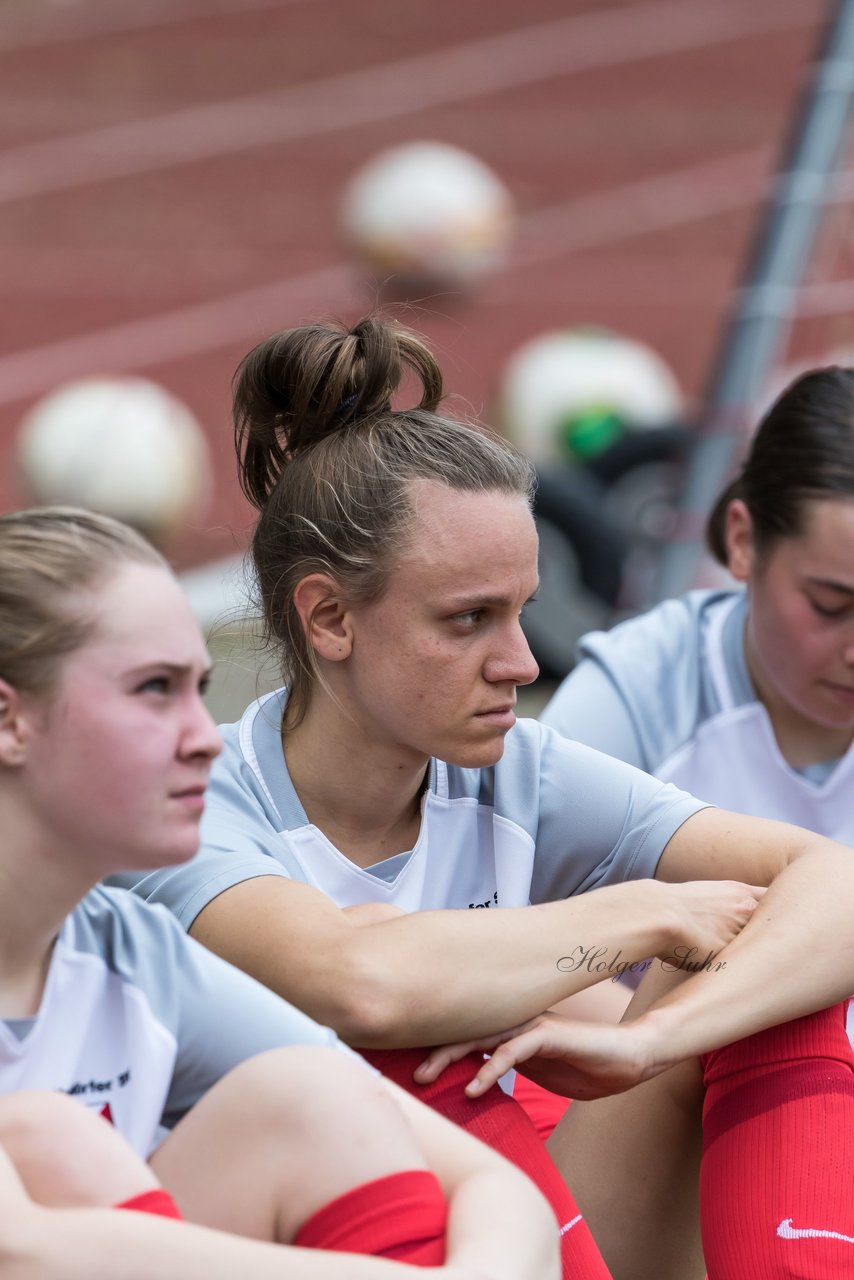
(122, 446)
(566, 396)
(427, 214)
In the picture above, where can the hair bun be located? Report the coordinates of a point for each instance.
(303, 384)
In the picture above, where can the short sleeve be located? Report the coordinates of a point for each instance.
(223, 1018)
(601, 821)
(230, 853)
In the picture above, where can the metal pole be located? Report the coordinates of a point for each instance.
(765, 304)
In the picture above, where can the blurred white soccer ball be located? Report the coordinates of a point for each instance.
(427, 213)
(122, 446)
(569, 394)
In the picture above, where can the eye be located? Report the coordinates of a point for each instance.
(204, 684)
(471, 618)
(824, 611)
(155, 684)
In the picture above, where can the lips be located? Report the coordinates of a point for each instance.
(844, 690)
(503, 717)
(196, 791)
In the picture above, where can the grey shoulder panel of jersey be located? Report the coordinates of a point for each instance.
(654, 663)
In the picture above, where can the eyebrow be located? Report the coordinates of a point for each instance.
(175, 668)
(460, 603)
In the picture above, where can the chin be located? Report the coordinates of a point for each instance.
(477, 756)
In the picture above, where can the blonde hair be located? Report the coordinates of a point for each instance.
(328, 463)
(52, 559)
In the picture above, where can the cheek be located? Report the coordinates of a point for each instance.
(794, 643)
(121, 768)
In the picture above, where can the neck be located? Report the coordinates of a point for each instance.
(363, 795)
(38, 889)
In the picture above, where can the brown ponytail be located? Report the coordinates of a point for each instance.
(328, 462)
(304, 384)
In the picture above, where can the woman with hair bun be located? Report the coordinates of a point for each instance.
(136, 1066)
(389, 847)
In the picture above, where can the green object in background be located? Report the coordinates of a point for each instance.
(586, 434)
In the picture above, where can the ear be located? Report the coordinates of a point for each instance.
(738, 536)
(13, 733)
(324, 616)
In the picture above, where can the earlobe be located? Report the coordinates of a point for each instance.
(324, 617)
(738, 534)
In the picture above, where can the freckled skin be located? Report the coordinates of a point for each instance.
(444, 643)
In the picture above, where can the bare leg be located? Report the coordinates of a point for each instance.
(632, 1162)
(281, 1136)
(65, 1155)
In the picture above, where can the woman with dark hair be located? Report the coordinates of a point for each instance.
(745, 696)
(390, 780)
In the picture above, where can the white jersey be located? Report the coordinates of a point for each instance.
(138, 1021)
(670, 692)
(551, 819)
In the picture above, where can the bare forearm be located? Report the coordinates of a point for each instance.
(107, 1244)
(795, 956)
(445, 972)
(434, 976)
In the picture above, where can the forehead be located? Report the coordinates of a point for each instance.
(825, 548)
(462, 539)
(141, 615)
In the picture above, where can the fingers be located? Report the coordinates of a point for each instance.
(439, 1059)
(436, 1061)
(522, 1047)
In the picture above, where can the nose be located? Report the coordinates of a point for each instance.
(201, 736)
(513, 663)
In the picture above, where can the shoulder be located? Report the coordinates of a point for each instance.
(592, 819)
(141, 944)
(668, 633)
(540, 771)
(645, 678)
(122, 930)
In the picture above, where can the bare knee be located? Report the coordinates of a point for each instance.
(315, 1095)
(319, 1124)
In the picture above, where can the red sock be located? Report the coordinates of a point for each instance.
(502, 1124)
(542, 1107)
(777, 1178)
(401, 1217)
(157, 1201)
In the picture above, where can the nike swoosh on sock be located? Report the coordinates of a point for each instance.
(787, 1232)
